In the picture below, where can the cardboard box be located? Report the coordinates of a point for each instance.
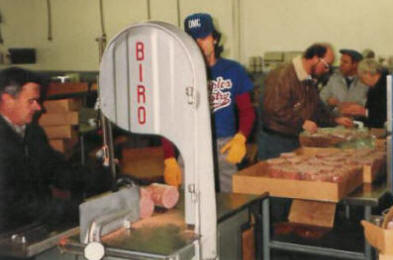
(63, 145)
(380, 237)
(58, 132)
(385, 257)
(66, 88)
(55, 119)
(62, 105)
(254, 180)
(58, 145)
(379, 133)
(248, 244)
(313, 213)
(94, 87)
(143, 163)
(372, 172)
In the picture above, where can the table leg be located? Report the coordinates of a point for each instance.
(256, 211)
(347, 211)
(266, 228)
(82, 144)
(367, 247)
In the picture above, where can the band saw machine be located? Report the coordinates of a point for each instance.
(153, 81)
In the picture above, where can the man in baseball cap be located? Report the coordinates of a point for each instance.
(199, 25)
(344, 87)
(229, 87)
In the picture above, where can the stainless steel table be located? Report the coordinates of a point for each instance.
(367, 196)
(32, 240)
(166, 236)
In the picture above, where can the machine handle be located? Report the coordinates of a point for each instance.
(117, 219)
(94, 251)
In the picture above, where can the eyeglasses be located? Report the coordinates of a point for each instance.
(325, 64)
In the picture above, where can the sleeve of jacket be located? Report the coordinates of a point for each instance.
(362, 91)
(327, 91)
(377, 108)
(7, 193)
(72, 176)
(246, 113)
(380, 116)
(54, 168)
(277, 102)
(323, 116)
(168, 147)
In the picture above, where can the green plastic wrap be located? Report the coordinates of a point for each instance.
(339, 137)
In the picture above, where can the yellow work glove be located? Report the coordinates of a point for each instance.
(172, 172)
(236, 148)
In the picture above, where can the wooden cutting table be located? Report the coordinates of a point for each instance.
(367, 196)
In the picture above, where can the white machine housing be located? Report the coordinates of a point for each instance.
(153, 81)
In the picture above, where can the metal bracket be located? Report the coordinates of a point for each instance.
(190, 95)
(192, 191)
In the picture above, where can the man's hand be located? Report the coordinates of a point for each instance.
(345, 121)
(236, 148)
(332, 101)
(352, 109)
(310, 126)
(172, 172)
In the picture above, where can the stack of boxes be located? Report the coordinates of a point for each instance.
(60, 122)
(67, 88)
(143, 163)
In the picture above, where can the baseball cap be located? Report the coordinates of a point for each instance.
(199, 25)
(355, 55)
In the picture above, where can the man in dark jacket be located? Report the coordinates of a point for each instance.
(29, 167)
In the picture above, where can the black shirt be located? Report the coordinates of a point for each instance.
(376, 103)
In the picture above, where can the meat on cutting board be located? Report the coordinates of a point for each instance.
(146, 204)
(163, 195)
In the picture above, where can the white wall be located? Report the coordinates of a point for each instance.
(294, 24)
(249, 27)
